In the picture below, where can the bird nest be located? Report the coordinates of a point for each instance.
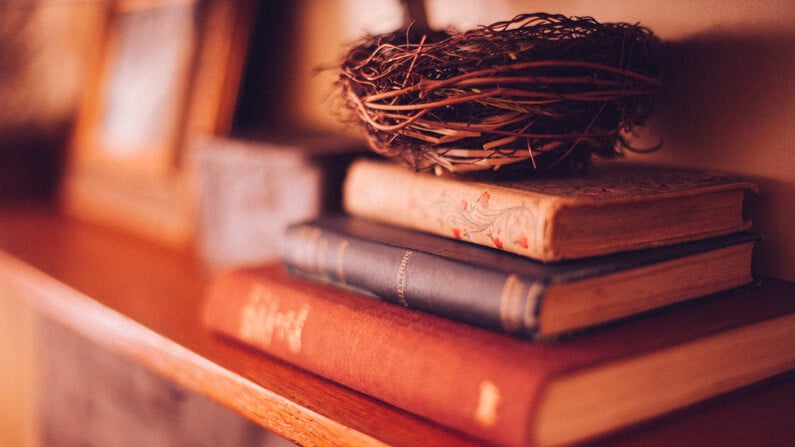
(531, 94)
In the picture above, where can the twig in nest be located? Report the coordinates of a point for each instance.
(538, 91)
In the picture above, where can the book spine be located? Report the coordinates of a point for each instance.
(478, 382)
(478, 213)
(468, 293)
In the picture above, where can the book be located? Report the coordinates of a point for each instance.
(615, 207)
(250, 187)
(502, 389)
(506, 292)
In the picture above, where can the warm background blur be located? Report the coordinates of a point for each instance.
(729, 104)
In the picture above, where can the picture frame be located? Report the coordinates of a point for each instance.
(166, 73)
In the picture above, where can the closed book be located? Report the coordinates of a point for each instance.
(505, 292)
(615, 207)
(502, 389)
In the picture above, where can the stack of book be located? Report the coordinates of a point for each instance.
(544, 311)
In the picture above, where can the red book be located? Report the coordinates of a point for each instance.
(499, 388)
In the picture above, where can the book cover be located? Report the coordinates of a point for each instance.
(615, 207)
(502, 389)
(506, 292)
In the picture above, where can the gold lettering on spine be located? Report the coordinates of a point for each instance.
(488, 401)
(511, 309)
(261, 321)
(401, 278)
(534, 293)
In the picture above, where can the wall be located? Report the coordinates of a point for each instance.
(41, 75)
(728, 103)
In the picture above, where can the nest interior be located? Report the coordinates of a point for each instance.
(532, 94)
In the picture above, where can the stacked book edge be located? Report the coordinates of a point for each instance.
(566, 310)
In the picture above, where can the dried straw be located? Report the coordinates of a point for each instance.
(536, 92)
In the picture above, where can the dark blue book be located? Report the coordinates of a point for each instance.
(508, 293)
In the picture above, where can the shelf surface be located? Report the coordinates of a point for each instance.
(143, 301)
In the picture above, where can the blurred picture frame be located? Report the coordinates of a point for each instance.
(166, 73)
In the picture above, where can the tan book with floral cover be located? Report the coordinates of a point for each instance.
(615, 207)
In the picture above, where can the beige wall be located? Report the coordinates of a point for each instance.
(42, 66)
(729, 101)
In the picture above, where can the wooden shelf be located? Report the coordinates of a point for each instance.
(143, 301)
